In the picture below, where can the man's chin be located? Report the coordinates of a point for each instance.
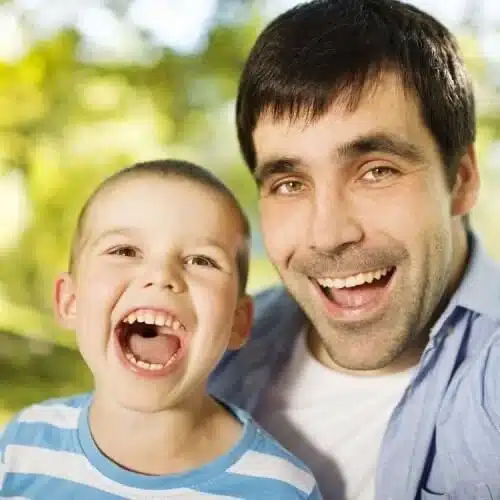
(366, 349)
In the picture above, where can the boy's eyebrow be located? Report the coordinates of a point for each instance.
(109, 232)
(211, 242)
(379, 142)
(128, 231)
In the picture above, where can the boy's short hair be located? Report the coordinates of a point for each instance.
(323, 50)
(179, 169)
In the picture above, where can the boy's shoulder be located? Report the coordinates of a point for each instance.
(73, 401)
(61, 410)
(267, 456)
(56, 413)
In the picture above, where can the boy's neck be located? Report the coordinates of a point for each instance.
(165, 442)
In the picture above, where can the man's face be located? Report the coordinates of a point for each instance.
(361, 224)
(154, 296)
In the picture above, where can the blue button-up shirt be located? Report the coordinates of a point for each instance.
(443, 438)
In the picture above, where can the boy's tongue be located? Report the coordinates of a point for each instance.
(158, 349)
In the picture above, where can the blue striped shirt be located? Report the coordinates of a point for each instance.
(47, 452)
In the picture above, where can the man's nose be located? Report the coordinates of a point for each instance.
(334, 220)
(164, 275)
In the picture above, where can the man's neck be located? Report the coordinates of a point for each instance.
(409, 358)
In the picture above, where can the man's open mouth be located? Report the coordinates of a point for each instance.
(358, 290)
(150, 339)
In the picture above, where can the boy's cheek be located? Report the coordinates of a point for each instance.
(99, 275)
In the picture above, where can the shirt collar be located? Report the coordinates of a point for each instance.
(479, 290)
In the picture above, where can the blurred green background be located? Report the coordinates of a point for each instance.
(87, 88)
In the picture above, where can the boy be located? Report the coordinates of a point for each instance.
(156, 294)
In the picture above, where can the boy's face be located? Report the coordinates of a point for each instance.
(154, 294)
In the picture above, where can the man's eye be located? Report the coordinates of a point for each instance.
(201, 260)
(379, 173)
(124, 251)
(288, 187)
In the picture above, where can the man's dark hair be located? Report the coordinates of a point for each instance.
(323, 50)
(178, 169)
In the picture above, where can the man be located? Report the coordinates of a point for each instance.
(379, 364)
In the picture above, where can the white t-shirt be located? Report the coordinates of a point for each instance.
(333, 421)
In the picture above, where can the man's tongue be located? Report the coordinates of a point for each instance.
(158, 349)
(356, 296)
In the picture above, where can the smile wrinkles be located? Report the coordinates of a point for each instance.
(348, 265)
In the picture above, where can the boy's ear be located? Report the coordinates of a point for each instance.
(64, 301)
(242, 326)
(466, 188)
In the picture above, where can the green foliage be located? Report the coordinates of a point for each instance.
(68, 123)
(31, 369)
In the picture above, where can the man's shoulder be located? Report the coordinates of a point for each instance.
(269, 297)
(242, 376)
(479, 376)
(274, 308)
(468, 427)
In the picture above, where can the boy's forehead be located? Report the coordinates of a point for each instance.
(159, 203)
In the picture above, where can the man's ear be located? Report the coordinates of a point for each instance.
(64, 301)
(466, 188)
(242, 326)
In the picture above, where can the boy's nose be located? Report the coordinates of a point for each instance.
(165, 277)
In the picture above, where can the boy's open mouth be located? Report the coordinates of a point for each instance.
(150, 339)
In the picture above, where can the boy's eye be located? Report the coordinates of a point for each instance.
(201, 260)
(124, 251)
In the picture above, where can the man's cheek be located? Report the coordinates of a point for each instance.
(282, 231)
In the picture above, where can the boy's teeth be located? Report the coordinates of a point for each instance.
(151, 317)
(145, 365)
(355, 280)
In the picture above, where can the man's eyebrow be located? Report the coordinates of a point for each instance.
(371, 143)
(272, 166)
(381, 143)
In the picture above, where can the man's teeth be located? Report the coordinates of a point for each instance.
(355, 280)
(150, 317)
(149, 366)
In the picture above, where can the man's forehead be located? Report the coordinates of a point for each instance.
(382, 86)
(388, 109)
